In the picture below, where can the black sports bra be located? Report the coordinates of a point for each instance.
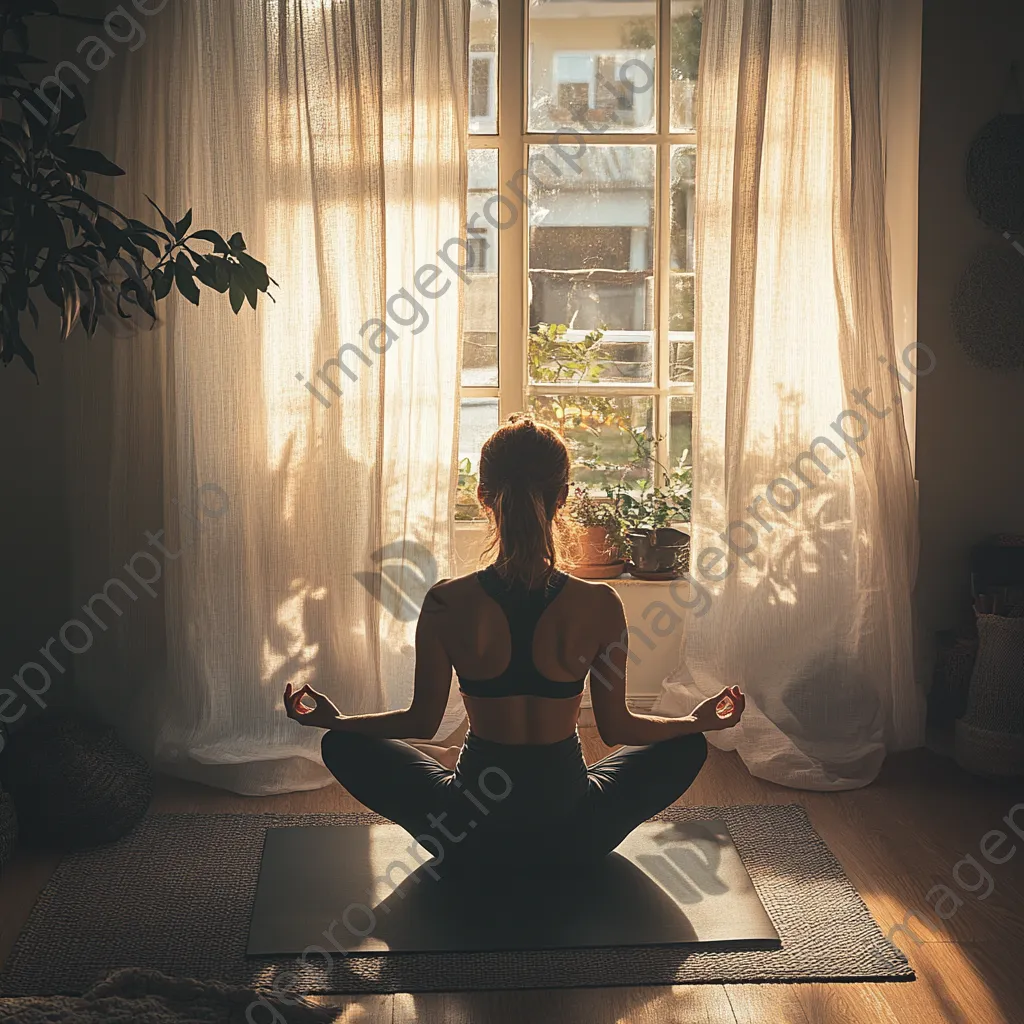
(523, 609)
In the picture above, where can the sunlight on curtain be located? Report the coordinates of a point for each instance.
(333, 135)
(805, 541)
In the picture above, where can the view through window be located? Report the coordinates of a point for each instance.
(580, 293)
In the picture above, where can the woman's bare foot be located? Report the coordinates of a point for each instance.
(444, 755)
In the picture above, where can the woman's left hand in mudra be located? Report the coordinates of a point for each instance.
(307, 707)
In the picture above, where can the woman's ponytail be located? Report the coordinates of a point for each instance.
(524, 469)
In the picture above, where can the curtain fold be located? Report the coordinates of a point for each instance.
(804, 520)
(299, 526)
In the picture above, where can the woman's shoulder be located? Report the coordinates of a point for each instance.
(589, 594)
(447, 592)
(595, 593)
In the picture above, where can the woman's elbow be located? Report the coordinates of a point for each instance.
(423, 723)
(613, 732)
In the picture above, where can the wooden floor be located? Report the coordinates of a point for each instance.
(897, 839)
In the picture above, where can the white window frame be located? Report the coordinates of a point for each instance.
(512, 142)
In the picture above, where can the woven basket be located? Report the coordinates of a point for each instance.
(74, 783)
(989, 738)
(8, 828)
(951, 681)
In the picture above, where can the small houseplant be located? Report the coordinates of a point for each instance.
(598, 537)
(650, 514)
(467, 505)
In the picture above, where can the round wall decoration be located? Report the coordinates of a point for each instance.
(995, 166)
(988, 308)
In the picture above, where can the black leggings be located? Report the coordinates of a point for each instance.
(529, 803)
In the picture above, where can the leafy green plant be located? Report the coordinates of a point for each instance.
(553, 359)
(586, 511)
(58, 241)
(646, 504)
(467, 506)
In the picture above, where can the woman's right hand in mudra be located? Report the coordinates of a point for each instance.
(307, 707)
(722, 711)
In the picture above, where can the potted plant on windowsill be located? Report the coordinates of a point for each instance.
(598, 539)
(654, 518)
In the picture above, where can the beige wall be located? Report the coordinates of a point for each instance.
(970, 437)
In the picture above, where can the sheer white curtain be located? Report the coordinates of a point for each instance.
(333, 136)
(804, 513)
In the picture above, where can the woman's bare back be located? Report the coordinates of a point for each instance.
(475, 634)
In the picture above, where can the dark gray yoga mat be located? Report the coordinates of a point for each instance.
(177, 895)
(668, 883)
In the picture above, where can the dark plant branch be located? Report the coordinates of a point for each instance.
(87, 258)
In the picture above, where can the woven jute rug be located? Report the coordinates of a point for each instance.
(177, 894)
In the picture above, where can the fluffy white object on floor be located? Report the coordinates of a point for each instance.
(135, 996)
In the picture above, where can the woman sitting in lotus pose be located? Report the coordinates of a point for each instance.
(522, 636)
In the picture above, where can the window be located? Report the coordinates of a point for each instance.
(482, 92)
(580, 301)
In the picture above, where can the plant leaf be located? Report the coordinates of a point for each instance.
(90, 161)
(219, 245)
(168, 223)
(237, 295)
(182, 226)
(162, 281)
(185, 279)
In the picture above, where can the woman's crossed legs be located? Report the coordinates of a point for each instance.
(442, 808)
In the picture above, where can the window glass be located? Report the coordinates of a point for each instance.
(592, 65)
(483, 67)
(480, 324)
(591, 264)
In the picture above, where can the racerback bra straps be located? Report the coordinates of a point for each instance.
(523, 609)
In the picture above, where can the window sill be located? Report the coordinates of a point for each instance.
(469, 541)
(632, 581)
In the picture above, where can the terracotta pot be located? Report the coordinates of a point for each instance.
(600, 558)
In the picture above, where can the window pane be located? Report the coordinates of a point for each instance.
(680, 307)
(680, 448)
(592, 65)
(599, 433)
(479, 419)
(591, 259)
(480, 337)
(687, 24)
(680, 432)
(483, 67)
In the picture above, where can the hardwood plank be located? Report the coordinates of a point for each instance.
(686, 1004)
(358, 1009)
(757, 1004)
(841, 1004)
(960, 983)
(181, 796)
